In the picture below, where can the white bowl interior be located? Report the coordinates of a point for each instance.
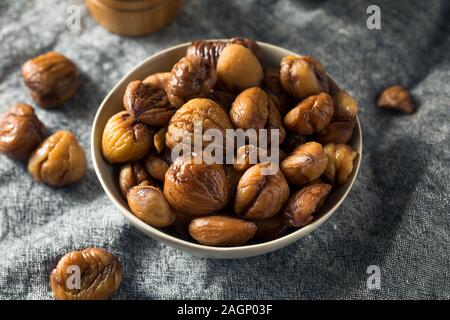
(163, 61)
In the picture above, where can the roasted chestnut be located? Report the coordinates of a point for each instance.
(149, 204)
(259, 195)
(306, 163)
(58, 161)
(340, 162)
(195, 187)
(303, 76)
(311, 115)
(221, 231)
(156, 166)
(250, 110)
(238, 68)
(89, 274)
(124, 139)
(345, 107)
(191, 76)
(148, 104)
(20, 132)
(201, 111)
(52, 79)
(130, 175)
(303, 204)
(396, 98)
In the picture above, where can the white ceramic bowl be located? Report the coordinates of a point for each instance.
(163, 61)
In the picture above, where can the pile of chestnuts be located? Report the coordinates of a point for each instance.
(224, 85)
(57, 160)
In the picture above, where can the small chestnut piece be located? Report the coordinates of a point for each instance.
(124, 139)
(311, 115)
(58, 161)
(345, 107)
(303, 204)
(340, 162)
(337, 132)
(21, 132)
(303, 76)
(191, 76)
(156, 166)
(396, 98)
(201, 111)
(157, 80)
(238, 68)
(130, 175)
(259, 195)
(52, 79)
(221, 231)
(148, 104)
(250, 110)
(149, 204)
(195, 187)
(100, 275)
(306, 163)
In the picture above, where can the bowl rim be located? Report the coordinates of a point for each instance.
(256, 249)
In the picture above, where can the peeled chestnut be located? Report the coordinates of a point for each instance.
(58, 161)
(131, 174)
(303, 204)
(156, 166)
(203, 111)
(221, 231)
(306, 163)
(311, 115)
(20, 132)
(89, 274)
(191, 76)
(148, 104)
(238, 68)
(259, 195)
(195, 187)
(149, 204)
(340, 162)
(345, 107)
(250, 110)
(124, 139)
(303, 76)
(157, 80)
(337, 132)
(52, 79)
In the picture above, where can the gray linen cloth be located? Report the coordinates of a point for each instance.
(395, 217)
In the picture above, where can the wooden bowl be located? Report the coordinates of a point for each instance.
(163, 61)
(133, 17)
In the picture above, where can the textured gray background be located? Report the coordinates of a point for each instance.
(396, 216)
